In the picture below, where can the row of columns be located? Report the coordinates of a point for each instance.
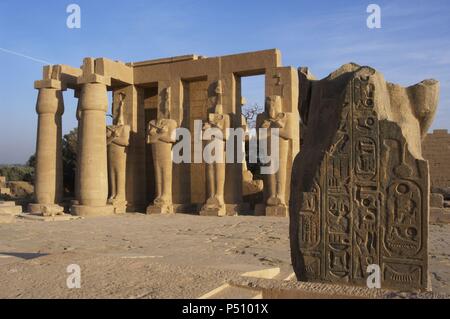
(92, 174)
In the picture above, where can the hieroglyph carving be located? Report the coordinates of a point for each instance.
(368, 201)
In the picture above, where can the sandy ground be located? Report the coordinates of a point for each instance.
(139, 256)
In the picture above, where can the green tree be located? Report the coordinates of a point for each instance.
(69, 155)
(14, 173)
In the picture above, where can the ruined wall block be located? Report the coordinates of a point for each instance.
(436, 149)
(360, 192)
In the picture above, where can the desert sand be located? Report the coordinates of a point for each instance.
(156, 256)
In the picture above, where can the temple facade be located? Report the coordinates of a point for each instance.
(150, 100)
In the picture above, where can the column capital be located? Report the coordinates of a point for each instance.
(50, 84)
(51, 78)
(94, 78)
(50, 101)
(94, 97)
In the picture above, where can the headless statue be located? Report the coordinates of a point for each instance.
(118, 136)
(274, 117)
(215, 171)
(160, 136)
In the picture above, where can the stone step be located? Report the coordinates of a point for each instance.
(6, 218)
(10, 210)
(7, 204)
(56, 218)
(232, 291)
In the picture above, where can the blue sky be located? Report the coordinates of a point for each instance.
(413, 44)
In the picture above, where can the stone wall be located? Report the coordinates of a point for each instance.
(436, 149)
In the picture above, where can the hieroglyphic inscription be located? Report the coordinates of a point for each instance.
(367, 203)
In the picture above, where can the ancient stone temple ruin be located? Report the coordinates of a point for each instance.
(360, 186)
(357, 193)
(151, 100)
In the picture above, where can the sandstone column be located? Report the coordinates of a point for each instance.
(92, 166)
(48, 184)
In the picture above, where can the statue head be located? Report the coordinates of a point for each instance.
(274, 106)
(118, 111)
(219, 89)
(218, 109)
(164, 107)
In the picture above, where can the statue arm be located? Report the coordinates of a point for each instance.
(124, 139)
(109, 135)
(168, 137)
(285, 131)
(225, 129)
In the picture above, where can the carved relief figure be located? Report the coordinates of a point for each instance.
(215, 170)
(118, 136)
(160, 136)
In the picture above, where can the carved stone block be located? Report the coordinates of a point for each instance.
(436, 200)
(274, 211)
(160, 209)
(360, 186)
(10, 208)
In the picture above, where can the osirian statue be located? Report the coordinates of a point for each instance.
(118, 137)
(160, 134)
(278, 125)
(217, 124)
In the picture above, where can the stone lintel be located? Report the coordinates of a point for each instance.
(115, 70)
(189, 57)
(94, 78)
(59, 76)
(243, 64)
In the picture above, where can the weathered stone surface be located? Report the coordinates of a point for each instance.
(118, 139)
(92, 164)
(436, 149)
(444, 191)
(286, 289)
(10, 208)
(360, 186)
(48, 218)
(436, 200)
(215, 171)
(6, 218)
(50, 108)
(439, 215)
(160, 136)
(277, 184)
(45, 210)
